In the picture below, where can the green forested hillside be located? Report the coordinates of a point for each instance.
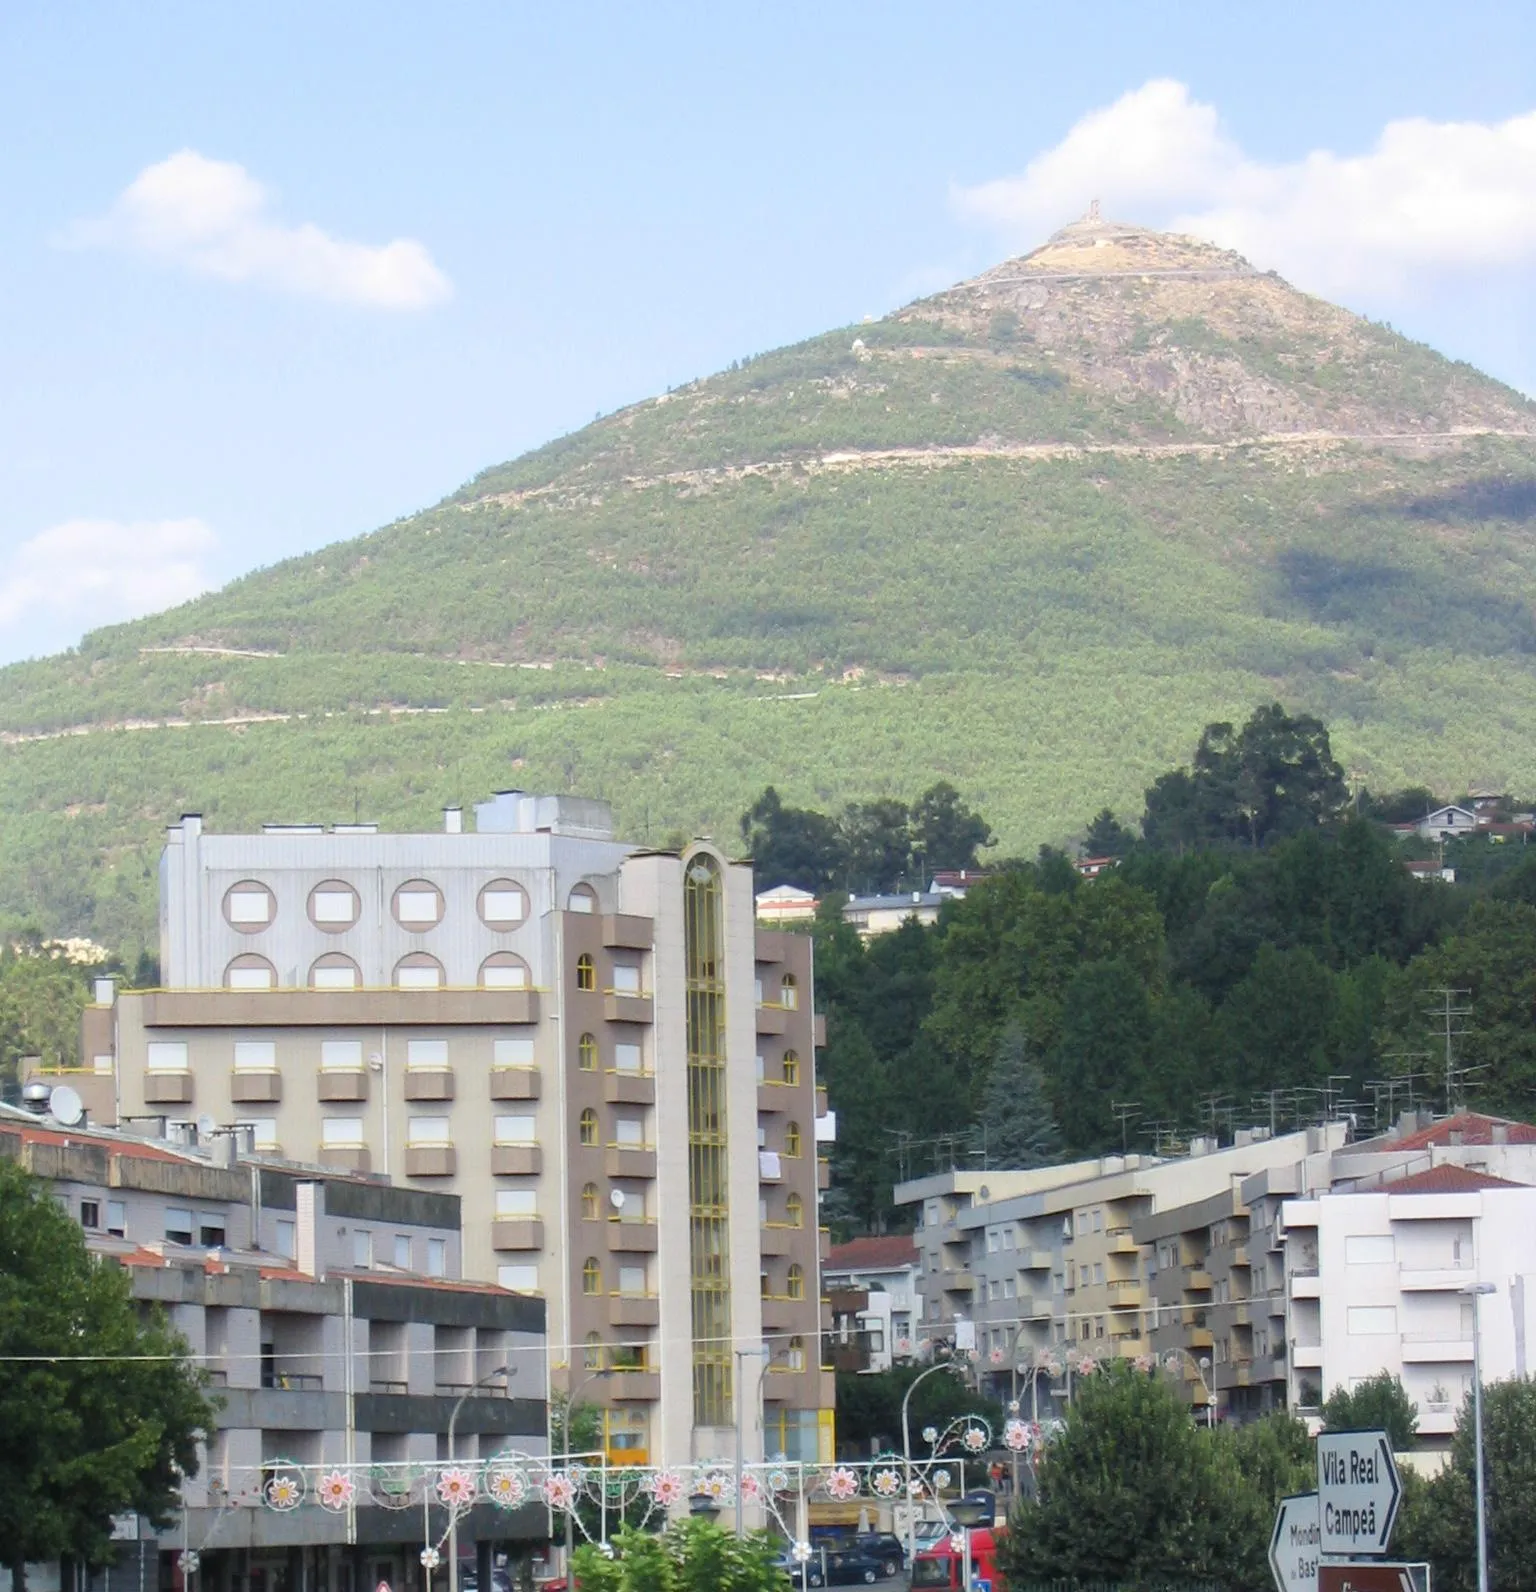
(1028, 535)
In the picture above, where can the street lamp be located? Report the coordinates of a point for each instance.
(453, 1420)
(1475, 1291)
(761, 1352)
(565, 1435)
(906, 1451)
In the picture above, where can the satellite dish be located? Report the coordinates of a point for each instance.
(65, 1105)
(206, 1127)
(984, 1193)
(616, 1199)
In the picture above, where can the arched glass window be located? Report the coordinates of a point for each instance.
(789, 992)
(796, 1354)
(418, 971)
(586, 972)
(592, 1353)
(794, 1211)
(590, 1208)
(583, 899)
(334, 971)
(795, 1283)
(792, 1139)
(591, 1276)
(588, 1126)
(503, 970)
(250, 972)
(586, 1053)
(791, 1066)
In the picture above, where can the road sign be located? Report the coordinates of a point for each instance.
(1293, 1549)
(1378, 1577)
(1358, 1492)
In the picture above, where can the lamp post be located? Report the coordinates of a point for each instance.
(565, 1442)
(453, 1420)
(1475, 1291)
(761, 1352)
(906, 1448)
(1202, 1364)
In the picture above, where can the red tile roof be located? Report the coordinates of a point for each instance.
(111, 1143)
(872, 1254)
(1448, 1180)
(396, 1279)
(1473, 1127)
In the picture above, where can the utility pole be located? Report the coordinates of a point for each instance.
(1125, 1112)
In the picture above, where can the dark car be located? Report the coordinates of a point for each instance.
(884, 1546)
(843, 1567)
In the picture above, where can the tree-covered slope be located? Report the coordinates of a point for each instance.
(1028, 534)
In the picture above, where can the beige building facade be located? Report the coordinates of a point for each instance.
(592, 1045)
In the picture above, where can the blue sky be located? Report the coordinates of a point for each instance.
(275, 275)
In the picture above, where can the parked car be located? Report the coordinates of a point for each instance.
(885, 1546)
(842, 1567)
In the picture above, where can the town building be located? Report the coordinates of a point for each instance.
(882, 1272)
(873, 915)
(593, 1045)
(786, 904)
(336, 1332)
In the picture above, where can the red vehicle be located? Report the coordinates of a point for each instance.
(941, 1568)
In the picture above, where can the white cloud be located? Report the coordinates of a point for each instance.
(83, 573)
(213, 218)
(1428, 200)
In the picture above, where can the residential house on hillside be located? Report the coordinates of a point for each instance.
(884, 1271)
(1447, 823)
(786, 903)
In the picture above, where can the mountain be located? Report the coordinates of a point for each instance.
(1029, 534)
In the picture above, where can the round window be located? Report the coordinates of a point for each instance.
(503, 905)
(249, 906)
(418, 905)
(334, 906)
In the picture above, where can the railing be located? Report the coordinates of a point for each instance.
(294, 1382)
(388, 1387)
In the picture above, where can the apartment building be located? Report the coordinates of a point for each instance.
(591, 1044)
(330, 1317)
(882, 1271)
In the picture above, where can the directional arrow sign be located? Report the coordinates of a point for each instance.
(1293, 1549)
(1358, 1492)
(1378, 1577)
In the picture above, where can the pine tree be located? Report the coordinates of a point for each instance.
(1015, 1127)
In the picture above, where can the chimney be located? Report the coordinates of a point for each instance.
(309, 1210)
(104, 991)
(1500, 1132)
(453, 820)
(1456, 1137)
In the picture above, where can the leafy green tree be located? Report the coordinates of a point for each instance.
(792, 845)
(1379, 1403)
(945, 832)
(1278, 1021)
(1102, 1053)
(876, 843)
(107, 1430)
(869, 1406)
(1107, 836)
(1015, 1127)
(41, 998)
(693, 1555)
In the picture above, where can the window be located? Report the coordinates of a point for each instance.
(591, 1276)
(762, 1071)
(503, 904)
(795, 1282)
(418, 971)
(626, 978)
(583, 899)
(629, 1131)
(425, 1131)
(362, 1248)
(520, 1279)
(632, 1280)
(250, 972)
(757, 990)
(178, 1225)
(512, 1052)
(792, 1139)
(796, 1354)
(286, 1238)
(789, 994)
(255, 1055)
(437, 1258)
(592, 1353)
(426, 1053)
(503, 970)
(334, 906)
(586, 1053)
(341, 1055)
(514, 1130)
(628, 1058)
(341, 1132)
(402, 1251)
(791, 1066)
(1366, 1320)
(249, 906)
(90, 1214)
(117, 1218)
(1098, 1221)
(263, 1131)
(1007, 1238)
(1366, 1249)
(418, 905)
(591, 1209)
(166, 1055)
(1009, 1290)
(794, 1211)
(517, 1204)
(586, 972)
(994, 1240)
(334, 971)
(587, 1126)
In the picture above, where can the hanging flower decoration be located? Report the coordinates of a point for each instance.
(456, 1487)
(667, 1488)
(506, 1488)
(335, 1490)
(430, 1558)
(975, 1438)
(903, 1345)
(559, 1490)
(1016, 1436)
(751, 1488)
(957, 1542)
(886, 1483)
(1049, 1364)
(801, 1553)
(1146, 1363)
(997, 1357)
(842, 1484)
(940, 1480)
(1013, 1406)
(284, 1490)
(719, 1487)
(930, 1435)
(915, 1488)
(778, 1481)
(1087, 1365)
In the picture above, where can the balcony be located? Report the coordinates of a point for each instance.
(819, 1031)
(1240, 1260)
(629, 1160)
(623, 931)
(777, 1239)
(958, 1281)
(431, 1160)
(519, 1233)
(823, 1172)
(1444, 1346)
(1126, 1293)
(631, 1238)
(619, 1008)
(1307, 1356)
(634, 1310)
(781, 1313)
(821, 1096)
(515, 1083)
(1199, 1338)
(772, 1019)
(428, 1083)
(1440, 1279)
(344, 1157)
(1197, 1279)
(168, 1088)
(774, 1099)
(1120, 1241)
(629, 1088)
(633, 1387)
(1305, 1285)
(516, 1160)
(351, 1085)
(256, 1088)
(1036, 1260)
